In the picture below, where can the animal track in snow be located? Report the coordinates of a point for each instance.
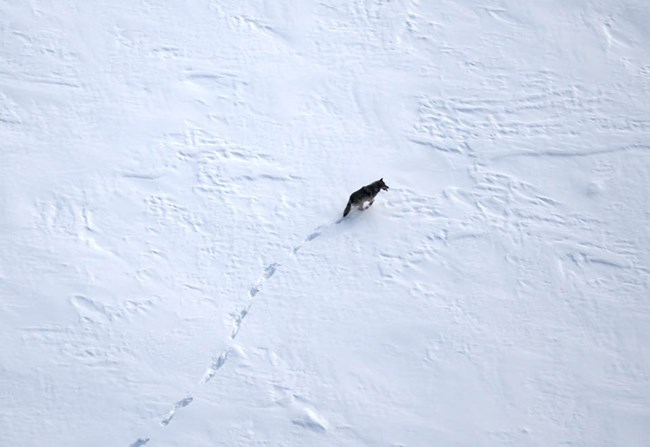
(307, 418)
(312, 236)
(139, 442)
(270, 270)
(216, 365)
(237, 320)
(180, 404)
(238, 317)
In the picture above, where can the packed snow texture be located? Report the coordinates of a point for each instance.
(173, 270)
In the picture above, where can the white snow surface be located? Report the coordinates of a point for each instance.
(173, 271)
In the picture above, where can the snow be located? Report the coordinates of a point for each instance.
(173, 271)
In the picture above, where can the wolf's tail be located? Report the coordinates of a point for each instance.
(347, 208)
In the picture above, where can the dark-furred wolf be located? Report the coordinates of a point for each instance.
(365, 194)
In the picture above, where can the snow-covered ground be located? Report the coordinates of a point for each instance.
(172, 272)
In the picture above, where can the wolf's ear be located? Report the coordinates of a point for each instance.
(381, 179)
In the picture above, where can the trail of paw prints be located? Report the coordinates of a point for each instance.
(239, 316)
(237, 320)
(139, 442)
(217, 363)
(269, 270)
(313, 235)
(180, 404)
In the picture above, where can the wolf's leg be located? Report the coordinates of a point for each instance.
(371, 202)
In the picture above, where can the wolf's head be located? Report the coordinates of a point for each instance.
(382, 185)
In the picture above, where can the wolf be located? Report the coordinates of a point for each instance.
(365, 194)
